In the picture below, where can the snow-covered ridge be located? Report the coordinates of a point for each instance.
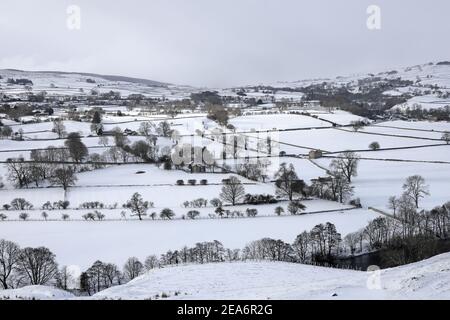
(35, 293)
(79, 84)
(428, 279)
(433, 73)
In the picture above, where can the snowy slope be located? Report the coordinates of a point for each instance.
(429, 279)
(35, 293)
(429, 74)
(66, 83)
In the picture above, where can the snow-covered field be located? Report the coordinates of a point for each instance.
(276, 121)
(376, 182)
(335, 140)
(81, 243)
(406, 148)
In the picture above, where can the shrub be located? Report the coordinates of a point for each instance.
(193, 214)
(65, 217)
(100, 216)
(279, 211)
(251, 212)
(198, 203)
(47, 206)
(256, 199)
(192, 182)
(296, 207)
(167, 165)
(3, 217)
(23, 216)
(89, 216)
(180, 182)
(59, 205)
(356, 203)
(220, 211)
(374, 146)
(21, 204)
(92, 205)
(167, 214)
(216, 202)
(203, 182)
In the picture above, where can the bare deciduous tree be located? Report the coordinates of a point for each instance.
(347, 164)
(287, 182)
(151, 262)
(138, 206)
(232, 191)
(64, 177)
(77, 149)
(9, 255)
(446, 137)
(164, 129)
(133, 268)
(103, 141)
(415, 188)
(37, 265)
(59, 128)
(393, 204)
(64, 278)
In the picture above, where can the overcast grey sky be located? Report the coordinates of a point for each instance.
(222, 42)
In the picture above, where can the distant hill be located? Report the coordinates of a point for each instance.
(95, 75)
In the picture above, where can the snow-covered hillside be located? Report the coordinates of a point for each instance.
(429, 279)
(63, 83)
(35, 293)
(434, 73)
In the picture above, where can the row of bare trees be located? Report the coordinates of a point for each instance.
(49, 164)
(101, 276)
(24, 174)
(413, 235)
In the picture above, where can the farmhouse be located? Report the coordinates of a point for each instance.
(197, 167)
(315, 154)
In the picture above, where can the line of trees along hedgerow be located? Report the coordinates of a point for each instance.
(337, 187)
(409, 237)
(51, 165)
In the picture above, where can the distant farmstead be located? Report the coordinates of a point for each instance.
(197, 167)
(315, 154)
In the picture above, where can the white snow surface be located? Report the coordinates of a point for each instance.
(429, 279)
(35, 293)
